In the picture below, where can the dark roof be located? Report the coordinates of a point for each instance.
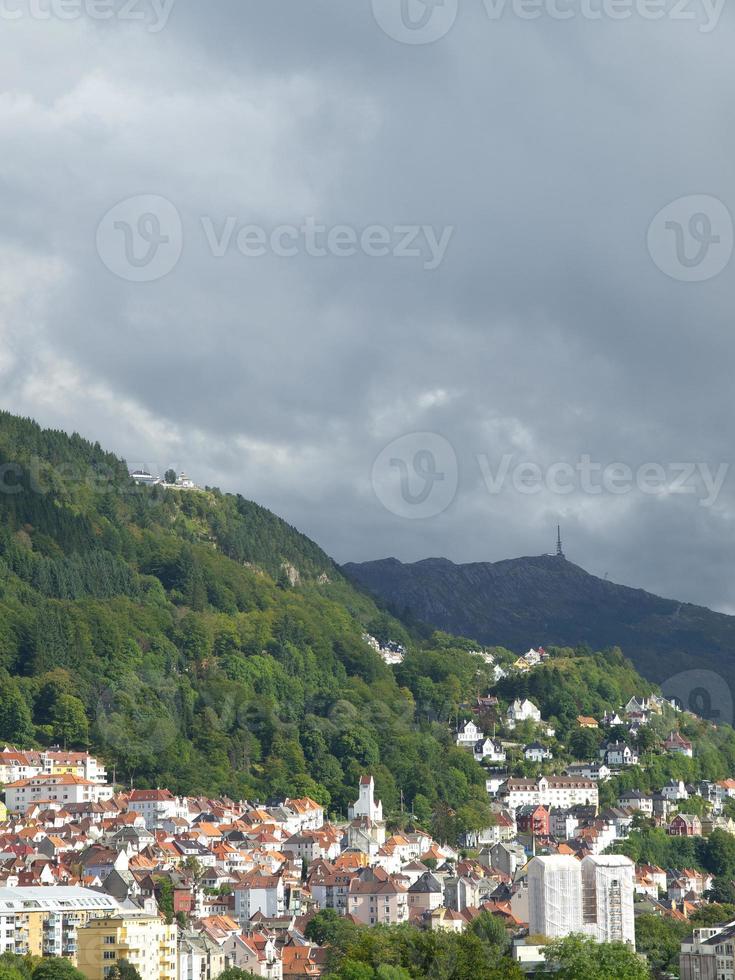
(426, 884)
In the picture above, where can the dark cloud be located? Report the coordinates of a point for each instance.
(546, 334)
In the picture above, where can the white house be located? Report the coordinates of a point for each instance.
(612, 719)
(154, 805)
(589, 770)
(633, 799)
(675, 790)
(536, 752)
(494, 781)
(619, 754)
(468, 735)
(489, 749)
(259, 893)
(521, 710)
(63, 788)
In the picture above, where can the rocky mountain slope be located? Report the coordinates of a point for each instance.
(548, 600)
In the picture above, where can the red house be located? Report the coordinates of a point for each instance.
(685, 825)
(533, 820)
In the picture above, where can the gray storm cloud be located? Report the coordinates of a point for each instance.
(551, 329)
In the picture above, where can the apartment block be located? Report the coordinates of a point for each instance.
(145, 941)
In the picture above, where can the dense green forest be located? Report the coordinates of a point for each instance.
(197, 641)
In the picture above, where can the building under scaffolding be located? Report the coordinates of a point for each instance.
(555, 896)
(607, 898)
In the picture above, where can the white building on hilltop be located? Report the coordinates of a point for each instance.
(521, 710)
(552, 791)
(555, 896)
(468, 735)
(607, 898)
(365, 805)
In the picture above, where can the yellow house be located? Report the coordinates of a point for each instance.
(145, 941)
(43, 921)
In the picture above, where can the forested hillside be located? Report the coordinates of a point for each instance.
(196, 641)
(199, 642)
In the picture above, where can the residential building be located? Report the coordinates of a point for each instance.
(679, 745)
(259, 893)
(589, 770)
(685, 825)
(468, 735)
(154, 805)
(199, 957)
(59, 789)
(43, 921)
(145, 941)
(549, 791)
(607, 898)
(489, 750)
(675, 790)
(536, 752)
(256, 953)
(377, 899)
(634, 799)
(424, 895)
(533, 820)
(521, 710)
(705, 955)
(618, 754)
(555, 896)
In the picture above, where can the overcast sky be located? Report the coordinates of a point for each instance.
(520, 160)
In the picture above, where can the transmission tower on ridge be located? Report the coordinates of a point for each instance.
(559, 549)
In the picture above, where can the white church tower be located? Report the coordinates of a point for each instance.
(366, 806)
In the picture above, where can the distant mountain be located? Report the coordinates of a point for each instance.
(548, 600)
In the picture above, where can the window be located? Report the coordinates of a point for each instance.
(109, 954)
(109, 940)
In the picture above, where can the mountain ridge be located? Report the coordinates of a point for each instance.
(547, 599)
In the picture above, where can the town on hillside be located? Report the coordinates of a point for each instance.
(186, 888)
